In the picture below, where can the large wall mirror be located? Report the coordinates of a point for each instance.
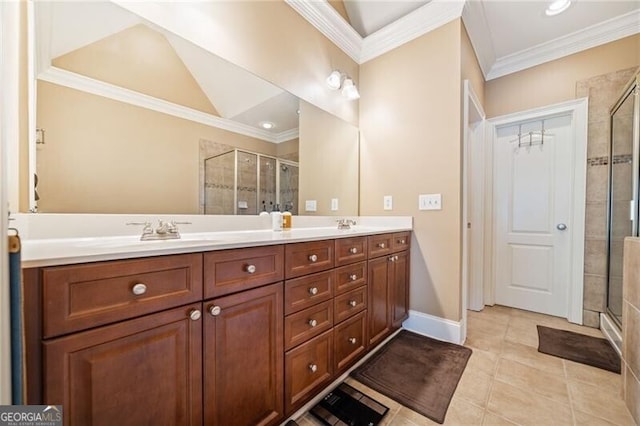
(133, 118)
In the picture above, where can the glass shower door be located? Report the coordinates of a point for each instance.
(623, 191)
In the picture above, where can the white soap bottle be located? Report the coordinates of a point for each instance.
(276, 219)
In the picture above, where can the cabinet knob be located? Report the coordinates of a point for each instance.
(215, 310)
(313, 368)
(353, 277)
(313, 258)
(250, 269)
(313, 291)
(392, 259)
(353, 250)
(313, 322)
(352, 303)
(194, 315)
(402, 241)
(395, 258)
(352, 340)
(381, 245)
(139, 289)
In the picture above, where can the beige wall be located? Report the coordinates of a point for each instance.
(104, 156)
(289, 150)
(329, 153)
(410, 145)
(555, 81)
(470, 67)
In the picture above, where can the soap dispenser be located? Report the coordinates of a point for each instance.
(264, 211)
(276, 219)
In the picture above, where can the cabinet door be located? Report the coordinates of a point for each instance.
(378, 300)
(399, 283)
(138, 372)
(243, 358)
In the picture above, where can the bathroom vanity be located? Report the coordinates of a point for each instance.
(231, 336)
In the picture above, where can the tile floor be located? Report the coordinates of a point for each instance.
(508, 382)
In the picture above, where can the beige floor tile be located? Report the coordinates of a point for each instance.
(488, 325)
(532, 379)
(390, 416)
(594, 376)
(474, 387)
(492, 419)
(531, 357)
(497, 315)
(600, 403)
(405, 414)
(584, 419)
(524, 335)
(483, 361)
(308, 420)
(484, 341)
(527, 408)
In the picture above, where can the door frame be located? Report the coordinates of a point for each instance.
(578, 109)
(471, 288)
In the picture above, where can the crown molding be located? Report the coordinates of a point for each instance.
(96, 87)
(595, 35)
(477, 27)
(422, 20)
(328, 21)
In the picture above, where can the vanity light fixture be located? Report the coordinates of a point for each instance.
(338, 80)
(557, 7)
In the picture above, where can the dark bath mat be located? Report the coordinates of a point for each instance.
(347, 406)
(577, 347)
(418, 372)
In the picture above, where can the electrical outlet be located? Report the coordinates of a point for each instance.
(310, 205)
(387, 201)
(334, 204)
(430, 202)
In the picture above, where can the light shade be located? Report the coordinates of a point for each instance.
(349, 89)
(334, 80)
(558, 6)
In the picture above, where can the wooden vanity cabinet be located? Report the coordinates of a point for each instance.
(388, 285)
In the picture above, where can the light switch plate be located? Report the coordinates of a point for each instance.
(334, 204)
(310, 205)
(387, 201)
(430, 202)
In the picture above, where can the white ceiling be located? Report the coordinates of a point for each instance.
(507, 35)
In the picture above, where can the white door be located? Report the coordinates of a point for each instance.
(533, 195)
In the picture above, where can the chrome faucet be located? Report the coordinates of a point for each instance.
(345, 223)
(164, 230)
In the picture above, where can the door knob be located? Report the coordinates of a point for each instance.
(561, 226)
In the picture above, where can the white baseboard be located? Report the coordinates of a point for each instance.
(436, 327)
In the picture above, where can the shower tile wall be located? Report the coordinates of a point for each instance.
(630, 327)
(208, 149)
(603, 91)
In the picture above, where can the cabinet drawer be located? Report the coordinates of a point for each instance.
(78, 297)
(351, 250)
(308, 368)
(301, 293)
(350, 340)
(306, 258)
(303, 325)
(379, 245)
(350, 276)
(229, 271)
(347, 304)
(401, 241)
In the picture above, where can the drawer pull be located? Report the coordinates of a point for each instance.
(251, 269)
(313, 291)
(194, 315)
(393, 258)
(313, 258)
(352, 303)
(139, 289)
(352, 340)
(353, 277)
(215, 310)
(313, 368)
(313, 322)
(381, 245)
(353, 250)
(402, 241)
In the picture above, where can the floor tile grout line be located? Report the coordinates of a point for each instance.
(566, 380)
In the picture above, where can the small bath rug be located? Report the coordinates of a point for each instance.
(418, 372)
(577, 347)
(347, 406)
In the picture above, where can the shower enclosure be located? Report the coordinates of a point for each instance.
(624, 190)
(246, 183)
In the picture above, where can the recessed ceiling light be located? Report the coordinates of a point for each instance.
(558, 6)
(267, 125)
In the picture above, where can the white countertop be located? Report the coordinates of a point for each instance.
(62, 251)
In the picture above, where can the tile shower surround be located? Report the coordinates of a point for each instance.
(630, 327)
(603, 91)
